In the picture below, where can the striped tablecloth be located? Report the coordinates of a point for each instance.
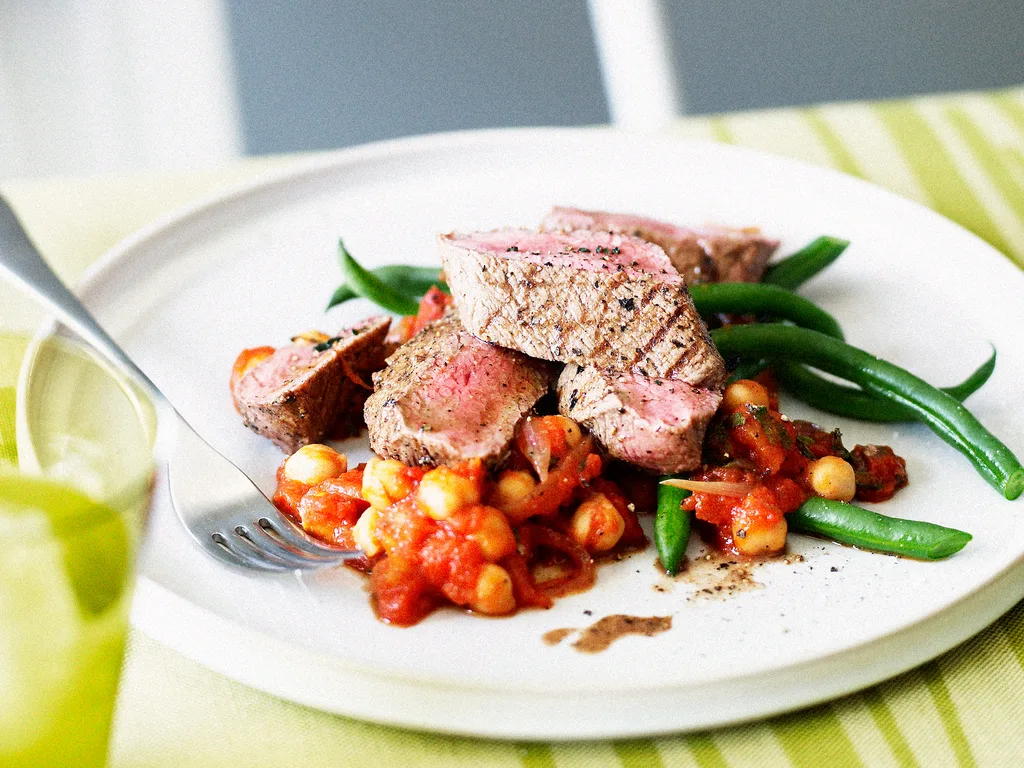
(961, 154)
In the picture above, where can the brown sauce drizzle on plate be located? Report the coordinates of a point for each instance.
(717, 576)
(555, 636)
(602, 633)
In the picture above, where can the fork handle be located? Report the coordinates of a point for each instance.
(21, 260)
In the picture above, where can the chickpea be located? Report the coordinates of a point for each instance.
(571, 430)
(493, 591)
(742, 392)
(442, 491)
(513, 485)
(310, 337)
(385, 481)
(494, 535)
(832, 478)
(364, 534)
(596, 524)
(314, 463)
(758, 540)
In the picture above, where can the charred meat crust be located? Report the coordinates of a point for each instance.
(700, 255)
(576, 304)
(304, 393)
(446, 396)
(656, 424)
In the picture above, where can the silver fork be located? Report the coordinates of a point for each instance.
(215, 501)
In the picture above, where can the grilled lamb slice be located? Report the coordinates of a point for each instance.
(590, 298)
(446, 396)
(305, 392)
(700, 255)
(656, 424)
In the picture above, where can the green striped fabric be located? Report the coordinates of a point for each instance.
(8, 447)
(963, 155)
(12, 349)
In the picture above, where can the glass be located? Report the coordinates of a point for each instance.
(76, 470)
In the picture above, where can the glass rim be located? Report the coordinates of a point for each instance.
(137, 476)
(50, 334)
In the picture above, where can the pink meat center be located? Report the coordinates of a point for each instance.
(591, 251)
(286, 364)
(464, 398)
(665, 401)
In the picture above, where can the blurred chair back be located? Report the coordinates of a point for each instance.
(102, 85)
(634, 44)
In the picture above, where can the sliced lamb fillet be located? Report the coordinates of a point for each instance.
(446, 396)
(591, 298)
(305, 392)
(657, 424)
(700, 255)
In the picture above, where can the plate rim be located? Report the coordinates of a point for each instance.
(326, 163)
(319, 162)
(464, 719)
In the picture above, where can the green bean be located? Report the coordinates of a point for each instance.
(832, 397)
(859, 527)
(412, 281)
(941, 412)
(671, 527)
(368, 286)
(797, 268)
(975, 381)
(747, 369)
(762, 299)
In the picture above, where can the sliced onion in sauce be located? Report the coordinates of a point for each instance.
(536, 446)
(715, 487)
(556, 490)
(577, 575)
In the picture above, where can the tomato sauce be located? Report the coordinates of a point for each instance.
(245, 362)
(498, 541)
(764, 459)
(880, 472)
(424, 554)
(432, 307)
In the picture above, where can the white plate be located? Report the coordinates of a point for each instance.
(257, 266)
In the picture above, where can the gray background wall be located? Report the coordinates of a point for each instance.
(316, 75)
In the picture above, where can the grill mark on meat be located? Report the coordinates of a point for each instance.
(488, 320)
(660, 334)
(686, 359)
(703, 254)
(615, 306)
(615, 281)
(649, 296)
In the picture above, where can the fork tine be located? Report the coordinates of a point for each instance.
(268, 544)
(287, 560)
(235, 551)
(213, 497)
(296, 538)
(208, 492)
